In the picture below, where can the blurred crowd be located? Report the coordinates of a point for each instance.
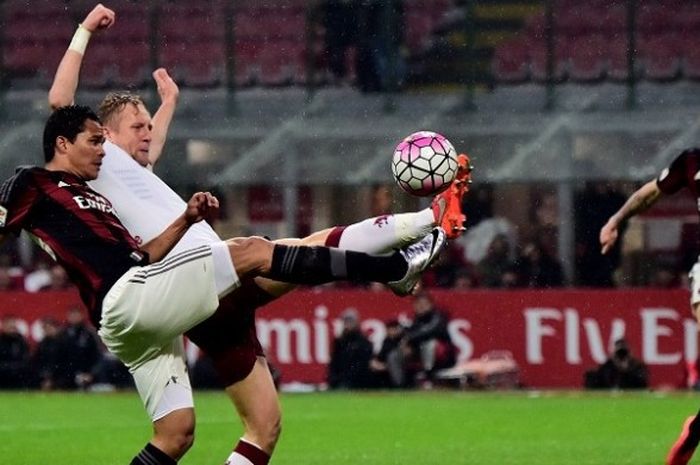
(496, 251)
(68, 356)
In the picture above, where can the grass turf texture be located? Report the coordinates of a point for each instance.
(547, 428)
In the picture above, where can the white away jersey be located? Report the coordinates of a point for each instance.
(143, 202)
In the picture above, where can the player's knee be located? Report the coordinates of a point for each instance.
(250, 254)
(182, 441)
(267, 433)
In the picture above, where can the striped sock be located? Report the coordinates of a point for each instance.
(319, 265)
(247, 453)
(151, 455)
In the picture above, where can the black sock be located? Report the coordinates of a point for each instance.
(318, 265)
(693, 438)
(151, 455)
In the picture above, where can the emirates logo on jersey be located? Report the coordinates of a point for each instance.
(94, 202)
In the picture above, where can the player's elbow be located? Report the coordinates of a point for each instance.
(57, 99)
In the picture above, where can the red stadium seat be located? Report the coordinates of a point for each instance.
(587, 57)
(618, 69)
(660, 57)
(510, 61)
(132, 69)
(538, 60)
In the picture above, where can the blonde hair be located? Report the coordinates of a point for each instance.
(114, 103)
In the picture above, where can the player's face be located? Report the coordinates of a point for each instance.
(84, 155)
(131, 131)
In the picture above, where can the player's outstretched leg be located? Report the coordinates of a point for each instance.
(447, 206)
(682, 450)
(319, 265)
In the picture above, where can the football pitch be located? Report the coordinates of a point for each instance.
(445, 427)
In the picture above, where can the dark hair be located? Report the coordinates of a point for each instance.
(65, 122)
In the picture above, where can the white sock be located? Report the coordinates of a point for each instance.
(384, 233)
(237, 459)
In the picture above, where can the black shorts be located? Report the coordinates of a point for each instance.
(229, 337)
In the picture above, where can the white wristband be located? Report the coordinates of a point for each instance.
(80, 40)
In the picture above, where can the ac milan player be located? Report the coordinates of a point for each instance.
(684, 172)
(143, 303)
(144, 202)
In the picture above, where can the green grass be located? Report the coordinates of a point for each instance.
(548, 428)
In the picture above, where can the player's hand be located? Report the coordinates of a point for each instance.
(202, 205)
(608, 236)
(99, 18)
(167, 89)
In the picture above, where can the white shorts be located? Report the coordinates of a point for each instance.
(148, 309)
(695, 283)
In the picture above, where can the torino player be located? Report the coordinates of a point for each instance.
(682, 173)
(144, 204)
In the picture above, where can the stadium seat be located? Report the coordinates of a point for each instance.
(246, 66)
(510, 62)
(653, 19)
(538, 60)
(418, 28)
(660, 57)
(618, 69)
(133, 67)
(587, 57)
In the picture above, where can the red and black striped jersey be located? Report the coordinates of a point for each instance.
(75, 225)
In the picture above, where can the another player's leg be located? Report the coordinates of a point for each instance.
(255, 398)
(453, 218)
(318, 265)
(682, 450)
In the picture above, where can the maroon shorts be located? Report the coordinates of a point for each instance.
(228, 337)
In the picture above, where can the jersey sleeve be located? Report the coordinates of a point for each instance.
(675, 177)
(17, 196)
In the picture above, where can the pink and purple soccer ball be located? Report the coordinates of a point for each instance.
(424, 163)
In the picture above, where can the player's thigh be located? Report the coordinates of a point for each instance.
(317, 238)
(255, 397)
(163, 382)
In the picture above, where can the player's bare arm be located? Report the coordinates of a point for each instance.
(169, 93)
(200, 205)
(65, 83)
(639, 201)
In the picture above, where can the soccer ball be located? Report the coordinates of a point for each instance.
(424, 163)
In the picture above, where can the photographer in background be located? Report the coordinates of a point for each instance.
(620, 371)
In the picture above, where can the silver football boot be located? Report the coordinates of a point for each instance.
(418, 256)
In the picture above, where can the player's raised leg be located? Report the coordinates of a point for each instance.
(684, 447)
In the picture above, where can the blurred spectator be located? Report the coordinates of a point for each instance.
(380, 36)
(594, 206)
(382, 200)
(665, 278)
(621, 370)
(496, 262)
(39, 278)
(15, 372)
(386, 366)
(478, 204)
(81, 352)
(110, 373)
(350, 356)
(6, 283)
(465, 279)
(427, 346)
(48, 355)
(537, 268)
(58, 280)
(340, 23)
(477, 240)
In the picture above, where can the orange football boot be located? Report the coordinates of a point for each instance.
(447, 205)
